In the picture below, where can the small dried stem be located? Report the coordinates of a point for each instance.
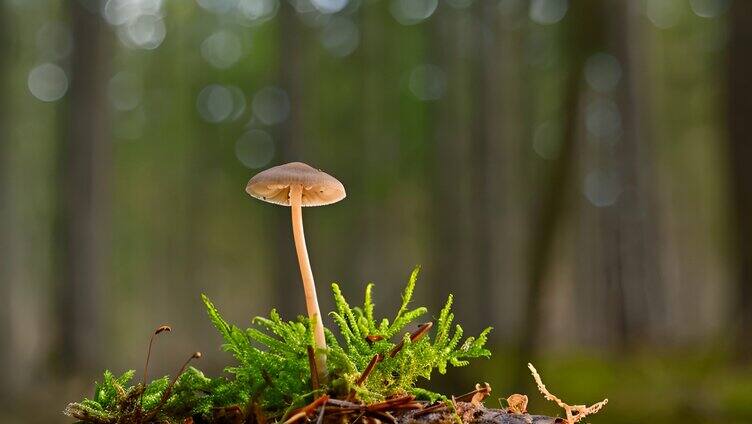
(390, 403)
(372, 338)
(369, 368)
(574, 412)
(320, 418)
(344, 403)
(314, 368)
(308, 409)
(358, 417)
(420, 332)
(157, 331)
(168, 391)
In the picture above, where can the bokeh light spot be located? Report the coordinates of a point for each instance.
(217, 6)
(340, 36)
(546, 140)
(48, 82)
(255, 12)
(271, 105)
(411, 12)
(54, 41)
(663, 14)
(125, 91)
(146, 32)
(139, 22)
(120, 12)
(709, 8)
(238, 102)
(329, 6)
(603, 119)
(602, 72)
(427, 82)
(255, 149)
(601, 188)
(303, 6)
(215, 103)
(222, 49)
(547, 12)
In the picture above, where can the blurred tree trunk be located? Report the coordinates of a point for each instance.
(739, 111)
(453, 176)
(368, 235)
(618, 276)
(6, 221)
(585, 21)
(445, 270)
(83, 190)
(510, 184)
(636, 245)
(287, 279)
(487, 155)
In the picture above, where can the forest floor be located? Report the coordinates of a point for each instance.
(669, 387)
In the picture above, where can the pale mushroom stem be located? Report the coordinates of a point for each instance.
(312, 303)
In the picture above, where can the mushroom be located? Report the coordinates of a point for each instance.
(295, 185)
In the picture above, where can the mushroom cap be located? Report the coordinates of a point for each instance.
(273, 185)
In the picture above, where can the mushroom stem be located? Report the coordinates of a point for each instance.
(312, 303)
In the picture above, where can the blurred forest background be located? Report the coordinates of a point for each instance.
(578, 173)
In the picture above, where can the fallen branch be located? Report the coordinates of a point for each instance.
(574, 412)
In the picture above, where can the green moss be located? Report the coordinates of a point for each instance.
(272, 364)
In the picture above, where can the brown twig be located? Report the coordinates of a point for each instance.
(408, 405)
(308, 409)
(575, 413)
(314, 369)
(363, 376)
(420, 332)
(344, 403)
(371, 338)
(369, 368)
(358, 417)
(390, 403)
(320, 418)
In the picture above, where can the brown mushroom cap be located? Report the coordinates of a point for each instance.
(273, 185)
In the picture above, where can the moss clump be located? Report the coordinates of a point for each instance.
(369, 360)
